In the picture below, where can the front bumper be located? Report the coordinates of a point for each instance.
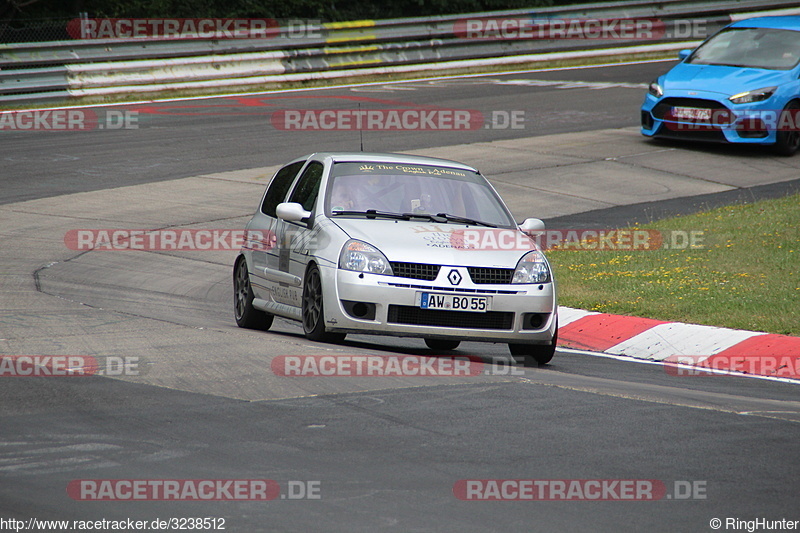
(524, 314)
(754, 123)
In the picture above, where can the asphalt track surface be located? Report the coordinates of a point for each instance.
(386, 453)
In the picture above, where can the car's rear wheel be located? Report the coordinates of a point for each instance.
(314, 309)
(442, 345)
(534, 354)
(787, 141)
(246, 315)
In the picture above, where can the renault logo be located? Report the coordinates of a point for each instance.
(454, 277)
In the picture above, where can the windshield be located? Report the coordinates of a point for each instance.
(750, 47)
(417, 189)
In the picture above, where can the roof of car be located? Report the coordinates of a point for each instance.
(788, 22)
(343, 157)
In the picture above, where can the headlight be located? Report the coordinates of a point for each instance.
(532, 268)
(655, 90)
(749, 97)
(363, 257)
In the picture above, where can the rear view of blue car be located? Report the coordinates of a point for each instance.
(742, 85)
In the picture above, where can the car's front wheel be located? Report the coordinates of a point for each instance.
(246, 315)
(534, 354)
(314, 309)
(787, 140)
(442, 345)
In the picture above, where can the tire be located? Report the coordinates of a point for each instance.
(442, 345)
(534, 354)
(246, 315)
(788, 142)
(313, 310)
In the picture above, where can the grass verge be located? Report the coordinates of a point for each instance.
(742, 272)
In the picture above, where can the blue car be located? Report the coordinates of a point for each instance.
(741, 85)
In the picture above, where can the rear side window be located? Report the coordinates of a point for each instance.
(279, 187)
(307, 189)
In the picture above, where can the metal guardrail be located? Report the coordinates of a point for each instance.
(106, 68)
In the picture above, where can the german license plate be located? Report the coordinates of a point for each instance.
(691, 113)
(453, 302)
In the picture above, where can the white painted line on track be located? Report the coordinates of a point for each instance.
(629, 359)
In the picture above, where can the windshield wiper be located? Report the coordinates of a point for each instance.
(428, 216)
(439, 217)
(464, 220)
(735, 65)
(444, 218)
(374, 213)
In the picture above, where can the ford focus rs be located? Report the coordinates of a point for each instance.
(395, 245)
(741, 86)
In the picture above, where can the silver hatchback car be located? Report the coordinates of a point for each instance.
(391, 244)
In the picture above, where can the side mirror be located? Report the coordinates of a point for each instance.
(531, 224)
(683, 54)
(292, 212)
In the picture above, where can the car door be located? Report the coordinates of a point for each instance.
(264, 256)
(295, 238)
